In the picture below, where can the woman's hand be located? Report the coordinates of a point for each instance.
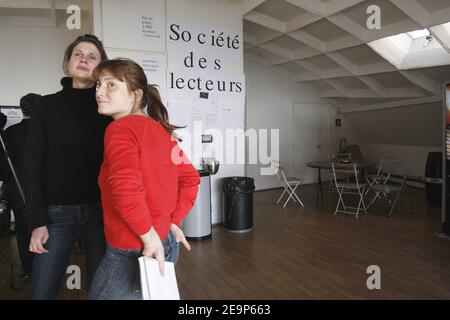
(179, 236)
(39, 237)
(153, 248)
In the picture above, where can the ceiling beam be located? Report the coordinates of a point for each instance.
(375, 68)
(422, 81)
(311, 88)
(304, 53)
(309, 66)
(332, 94)
(25, 4)
(362, 93)
(301, 21)
(414, 10)
(255, 58)
(309, 40)
(389, 105)
(277, 50)
(349, 26)
(250, 38)
(441, 34)
(408, 92)
(326, 74)
(336, 73)
(268, 37)
(342, 43)
(307, 76)
(249, 5)
(338, 86)
(285, 72)
(316, 7)
(389, 50)
(440, 17)
(52, 12)
(392, 29)
(266, 21)
(373, 85)
(276, 60)
(333, 103)
(343, 62)
(340, 5)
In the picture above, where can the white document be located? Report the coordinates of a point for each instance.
(153, 285)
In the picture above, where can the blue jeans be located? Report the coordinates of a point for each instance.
(64, 227)
(118, 277)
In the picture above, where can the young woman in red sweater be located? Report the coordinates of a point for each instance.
(147, 184)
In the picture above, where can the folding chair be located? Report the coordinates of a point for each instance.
(387, 188)
(339, 176)
(354, 188)
(290, 185)
(380, 177)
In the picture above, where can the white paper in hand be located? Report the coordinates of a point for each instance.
(153, 285)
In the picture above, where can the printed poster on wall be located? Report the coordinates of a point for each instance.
(145, 27)
(13, 114)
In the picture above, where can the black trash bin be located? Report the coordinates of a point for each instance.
(238, 203)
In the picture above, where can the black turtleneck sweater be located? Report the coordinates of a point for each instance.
(63, 152)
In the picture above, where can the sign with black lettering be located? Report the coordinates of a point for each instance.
(209, 54)
(143, 28)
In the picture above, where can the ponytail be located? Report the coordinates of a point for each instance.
(156, 109)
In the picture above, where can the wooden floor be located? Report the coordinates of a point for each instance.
(305, 253)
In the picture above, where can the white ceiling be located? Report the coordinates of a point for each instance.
(323, 44)
(327, 46)
(40, 13)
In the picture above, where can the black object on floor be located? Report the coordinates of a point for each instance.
(238, 198)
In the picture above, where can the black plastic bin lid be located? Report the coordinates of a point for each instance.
(238, 184)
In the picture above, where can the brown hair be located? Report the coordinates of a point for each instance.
(84, 38)
(133, 75)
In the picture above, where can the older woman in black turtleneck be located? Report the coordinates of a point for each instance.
(63, 154)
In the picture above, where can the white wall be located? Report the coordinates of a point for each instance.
(31, 61)
(269, 105)
(210, 18)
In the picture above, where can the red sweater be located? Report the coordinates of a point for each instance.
(140, 185)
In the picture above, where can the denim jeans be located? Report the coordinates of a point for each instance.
(65, 224)
(118, 277)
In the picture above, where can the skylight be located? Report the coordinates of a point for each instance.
(413, 50)
(418, 34)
